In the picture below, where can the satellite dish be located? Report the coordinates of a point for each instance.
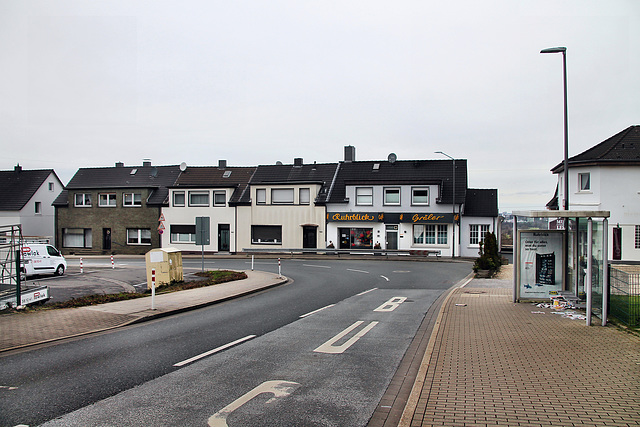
(279, 163)
(392, 158)
(183, 166)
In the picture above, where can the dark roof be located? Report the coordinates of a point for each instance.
(291, 174)
(621, 149)
(481, 202)
(18, 186)
(214, 177)
(156, 178)
(413, 172)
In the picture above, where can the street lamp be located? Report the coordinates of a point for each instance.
(563, 50)
(453, 205)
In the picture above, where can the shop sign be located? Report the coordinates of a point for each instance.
(427, 218)
(355, 216)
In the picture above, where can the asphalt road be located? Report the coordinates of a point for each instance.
(291, 351)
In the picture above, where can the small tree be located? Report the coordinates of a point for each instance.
(489, 258)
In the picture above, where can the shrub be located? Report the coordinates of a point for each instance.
(489, 258)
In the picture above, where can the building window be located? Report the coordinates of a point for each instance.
(442, 234)
(219, 198)
(585, 181)
(138, 236)
(266, 234)
(305, 196)
(82, 199)
(261, 196)
(51, 186)
(198, 198)
(107, 199)
(392, 196)
(637, 236)
(282, 196)
(364, 196)
(477, 232)
(132, 199)
(38, 208)
(76, 237)
(420, 196)
(178, 198)
(429, 234)
(183, 233)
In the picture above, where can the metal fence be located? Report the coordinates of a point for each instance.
(624, 283)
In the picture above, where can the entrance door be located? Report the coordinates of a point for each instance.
(345, 238)
(223, 237)
(392, 237)
(309, 237)
(106, 239)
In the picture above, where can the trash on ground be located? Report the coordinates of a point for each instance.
(461, 305)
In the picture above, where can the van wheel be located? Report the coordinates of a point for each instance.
(59, 270)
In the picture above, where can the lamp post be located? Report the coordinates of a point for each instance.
(453, 206)
(563, 50)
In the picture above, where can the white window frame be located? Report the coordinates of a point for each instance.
(477, 233)
(389, 190)
(282, 196)
(584, 181)
(304, 196)
(77, 238)
(200, 193)
(413, 196)
(110, 197)
(86, 200)
(184, 199)
(37, 207)
(182, 237)
(430, 234)
(51, 186)
(224, 198)
(258, 241)
(134, 203)
(140, 235)
(364, 196)
(261, 196)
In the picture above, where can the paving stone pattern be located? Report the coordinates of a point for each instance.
(499, 363)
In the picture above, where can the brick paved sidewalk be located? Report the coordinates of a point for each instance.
(500, 363)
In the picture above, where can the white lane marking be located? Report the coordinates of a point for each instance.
(278, 388)
(366, 292)
(8, 387)
(317, 266)
(357, 271)
(315, 311)
(215, 350)
(384, 277)
(391, 304)
(328, 346)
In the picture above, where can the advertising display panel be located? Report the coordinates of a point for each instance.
(541, 269)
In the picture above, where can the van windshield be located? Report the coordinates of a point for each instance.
(52, 251)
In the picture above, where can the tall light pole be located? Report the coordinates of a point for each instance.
(453, 206)
(563, 50)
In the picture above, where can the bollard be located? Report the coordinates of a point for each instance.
(112, 264)
(81, 269)
(252, 262)
(279, 268)
(153, 288)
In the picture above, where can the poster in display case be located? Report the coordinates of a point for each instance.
(541, 267)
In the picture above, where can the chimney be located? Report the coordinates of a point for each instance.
(297, 162)
(17, 168)
(222, 164)
(119, 164)
(349, 153)
(146, 162)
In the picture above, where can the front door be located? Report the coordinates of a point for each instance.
(223, 237)
(309, 237)
(106, 239)
(392, 237)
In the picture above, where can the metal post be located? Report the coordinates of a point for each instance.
(18, 279)
(588, 284)
(566, 133)
(516, 261)
(605, 271)
(279, 268)
(153, 289)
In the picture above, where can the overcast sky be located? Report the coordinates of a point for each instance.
(90, 83)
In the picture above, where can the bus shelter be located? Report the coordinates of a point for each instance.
(562, 253)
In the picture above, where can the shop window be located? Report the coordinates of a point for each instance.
(132, 199)
(477, 232)
(219, 198)
(261, 196)
(391, 196)
(178, 198)
(420, 196)
(305, 196)
(76, 237)
(442, 234)
(282, 196)
(266, 234)
(82, 199)
(138, 236)
(429, 234)
(585, 181)
(364, 196)
(107, 199)
(198, 198)
(183, 233)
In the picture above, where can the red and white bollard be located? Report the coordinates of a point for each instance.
(153, 288)
(81, 269)
(279, 268)
(112, 264)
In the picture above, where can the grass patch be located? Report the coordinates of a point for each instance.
(208, 278)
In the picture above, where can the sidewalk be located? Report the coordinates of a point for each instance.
(492, 362)
(24, 329)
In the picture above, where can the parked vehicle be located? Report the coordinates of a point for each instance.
(39, 258)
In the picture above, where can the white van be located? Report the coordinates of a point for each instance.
(40, 258)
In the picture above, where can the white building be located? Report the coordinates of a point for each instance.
(606, 177)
